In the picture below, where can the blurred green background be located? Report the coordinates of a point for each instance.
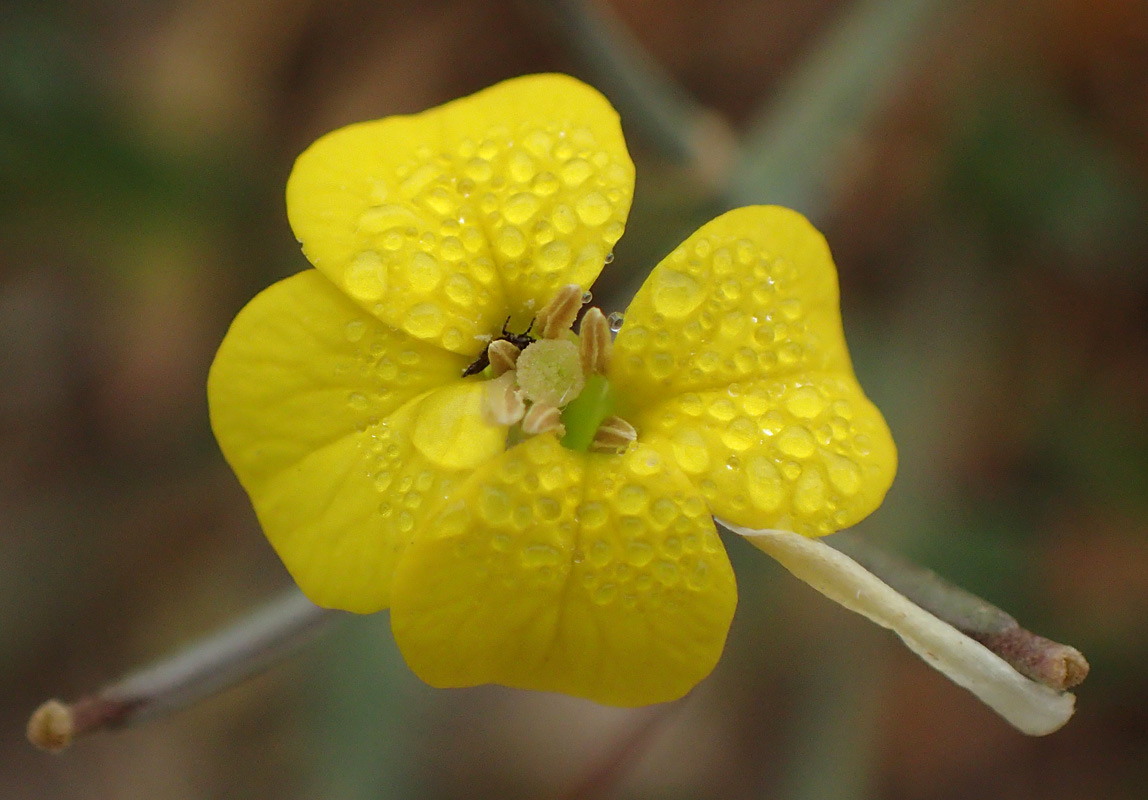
(981, 172)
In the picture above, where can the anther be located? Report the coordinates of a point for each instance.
(502, 355)
(594, 344)
(502, 400)
(613, 436)
(559, 314)
(543, 418)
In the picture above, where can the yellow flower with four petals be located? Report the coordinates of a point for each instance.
(505, 517)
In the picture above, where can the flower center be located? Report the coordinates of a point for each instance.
(557, 383)
(550, 371)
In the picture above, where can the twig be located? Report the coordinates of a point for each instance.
(222, 660)
(1056, 665)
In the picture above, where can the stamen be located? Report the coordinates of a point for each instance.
(502, 355)
(543, 418)
(595, 344)
(502, 401)
(613, 436)
(559, 314)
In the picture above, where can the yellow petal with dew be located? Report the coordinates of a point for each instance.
(750, 295)
(323, 413)
(805, 452)
(740, 327)
(444, 222)
(593, 575)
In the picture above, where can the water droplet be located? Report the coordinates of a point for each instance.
(366, 277)
(666, 572)
(383, 480)
(478, 170)
(689, 449)
(609, 257)
(545, 184)
(510, 241)
(843, 474)
(357, 401)
(675, 294)
(796, 442)
(548, 509)
(632, 499)
(423, 273)
(809, 493)
(424, 320)
(355, 330)
(520, 207)
(605, 594)
(764, 483)
(593, 209)
(592, 515)
(520, 166)
(540, 555)
(563, 219)
(587, 296)
(554, 256)
(615, 320)
(698, 577)
(805, 402)
(600, 553)
(494, 505)
(639, 553)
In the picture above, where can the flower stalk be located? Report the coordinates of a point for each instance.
(219, 661)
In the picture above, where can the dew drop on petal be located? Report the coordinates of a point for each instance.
(675, 294)
(593, 209)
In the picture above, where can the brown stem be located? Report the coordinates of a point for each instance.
(1056, 665)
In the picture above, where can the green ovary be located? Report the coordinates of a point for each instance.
(587, 411)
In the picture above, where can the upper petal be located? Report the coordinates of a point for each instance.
(750, 295)
(325, 416)
(592, 575)
(444, 222)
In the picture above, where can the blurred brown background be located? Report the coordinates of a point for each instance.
(989, 226)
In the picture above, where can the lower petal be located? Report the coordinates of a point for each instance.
(597, 576)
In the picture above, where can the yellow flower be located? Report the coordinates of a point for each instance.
(514, 550)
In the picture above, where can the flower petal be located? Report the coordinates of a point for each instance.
(805, 452)
(593, 575)
(740, 327)
(1031, 707)
(444, 222)
(750, 295)
(323, 413)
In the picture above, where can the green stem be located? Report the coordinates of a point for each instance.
(586, 412)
